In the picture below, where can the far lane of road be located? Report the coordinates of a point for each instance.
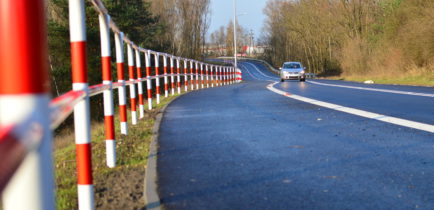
(245, 147)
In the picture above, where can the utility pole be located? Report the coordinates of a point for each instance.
(235, 34)
(251, 42)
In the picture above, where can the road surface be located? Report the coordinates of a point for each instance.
(247, 147)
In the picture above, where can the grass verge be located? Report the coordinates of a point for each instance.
(115, 188)
(419, 80)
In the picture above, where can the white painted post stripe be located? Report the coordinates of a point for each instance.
(85, 197)
(110, 145)
(104, 34)
(34, 178)
(119, 45)
(77, 24)
(358, 112)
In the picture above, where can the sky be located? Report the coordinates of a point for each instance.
(250, 13)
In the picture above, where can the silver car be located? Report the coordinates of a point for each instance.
(292, 70)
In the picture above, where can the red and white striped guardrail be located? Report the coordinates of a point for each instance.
(28, 117)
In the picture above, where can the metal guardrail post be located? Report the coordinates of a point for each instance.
(119, 45)
(140, 84)
(157, 77)
(77, 29)
(132, 78)
(172, 77)
(207, 77)
(185, 75)
(197, 74)
(24, 100)
(166, 85)
(191, 75)
(178, 71)
(212, 76)
(104, 21)
(202, 81)
(148, 78)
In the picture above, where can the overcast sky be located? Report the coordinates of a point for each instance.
(222, 13)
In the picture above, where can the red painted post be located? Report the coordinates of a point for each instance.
(185, 75)
(110, 141)
(140, 84)
(132, 78)
(77, 29)
(172, 77)
(166, 85)
(230, 75)
(202, 81)
(178, 71)
(24, 95)
(207, 78)
(197, 75)
(212, 76)
(157, 77)
(191, 75)
(233, 75)
(221, 75)
(217, 74)
(119, 45)
(148, 78)
(226, 75)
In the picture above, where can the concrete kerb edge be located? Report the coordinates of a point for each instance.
(152, 199)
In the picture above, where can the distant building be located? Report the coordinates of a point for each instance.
(255, 50)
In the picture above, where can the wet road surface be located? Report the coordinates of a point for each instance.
(244, 146)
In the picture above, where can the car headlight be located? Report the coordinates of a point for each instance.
(301, 72)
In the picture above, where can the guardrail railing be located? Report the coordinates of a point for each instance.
(274, 70)
(28, 115)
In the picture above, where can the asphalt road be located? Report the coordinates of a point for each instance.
(246, 147)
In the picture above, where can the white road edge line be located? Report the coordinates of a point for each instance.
(248, 71)
(256, 68)
(358, 112)
(375, 89)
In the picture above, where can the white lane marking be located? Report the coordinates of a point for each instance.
(247, 69)
(358, 112)
(376, 89)
(256, 68)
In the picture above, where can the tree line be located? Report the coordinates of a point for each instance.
(223, 39)
(179, 30)
(353, 37)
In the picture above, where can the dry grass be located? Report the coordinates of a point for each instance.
(409, 76)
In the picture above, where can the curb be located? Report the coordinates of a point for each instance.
(152, 199)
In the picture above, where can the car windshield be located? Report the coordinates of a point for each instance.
(291, 66)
